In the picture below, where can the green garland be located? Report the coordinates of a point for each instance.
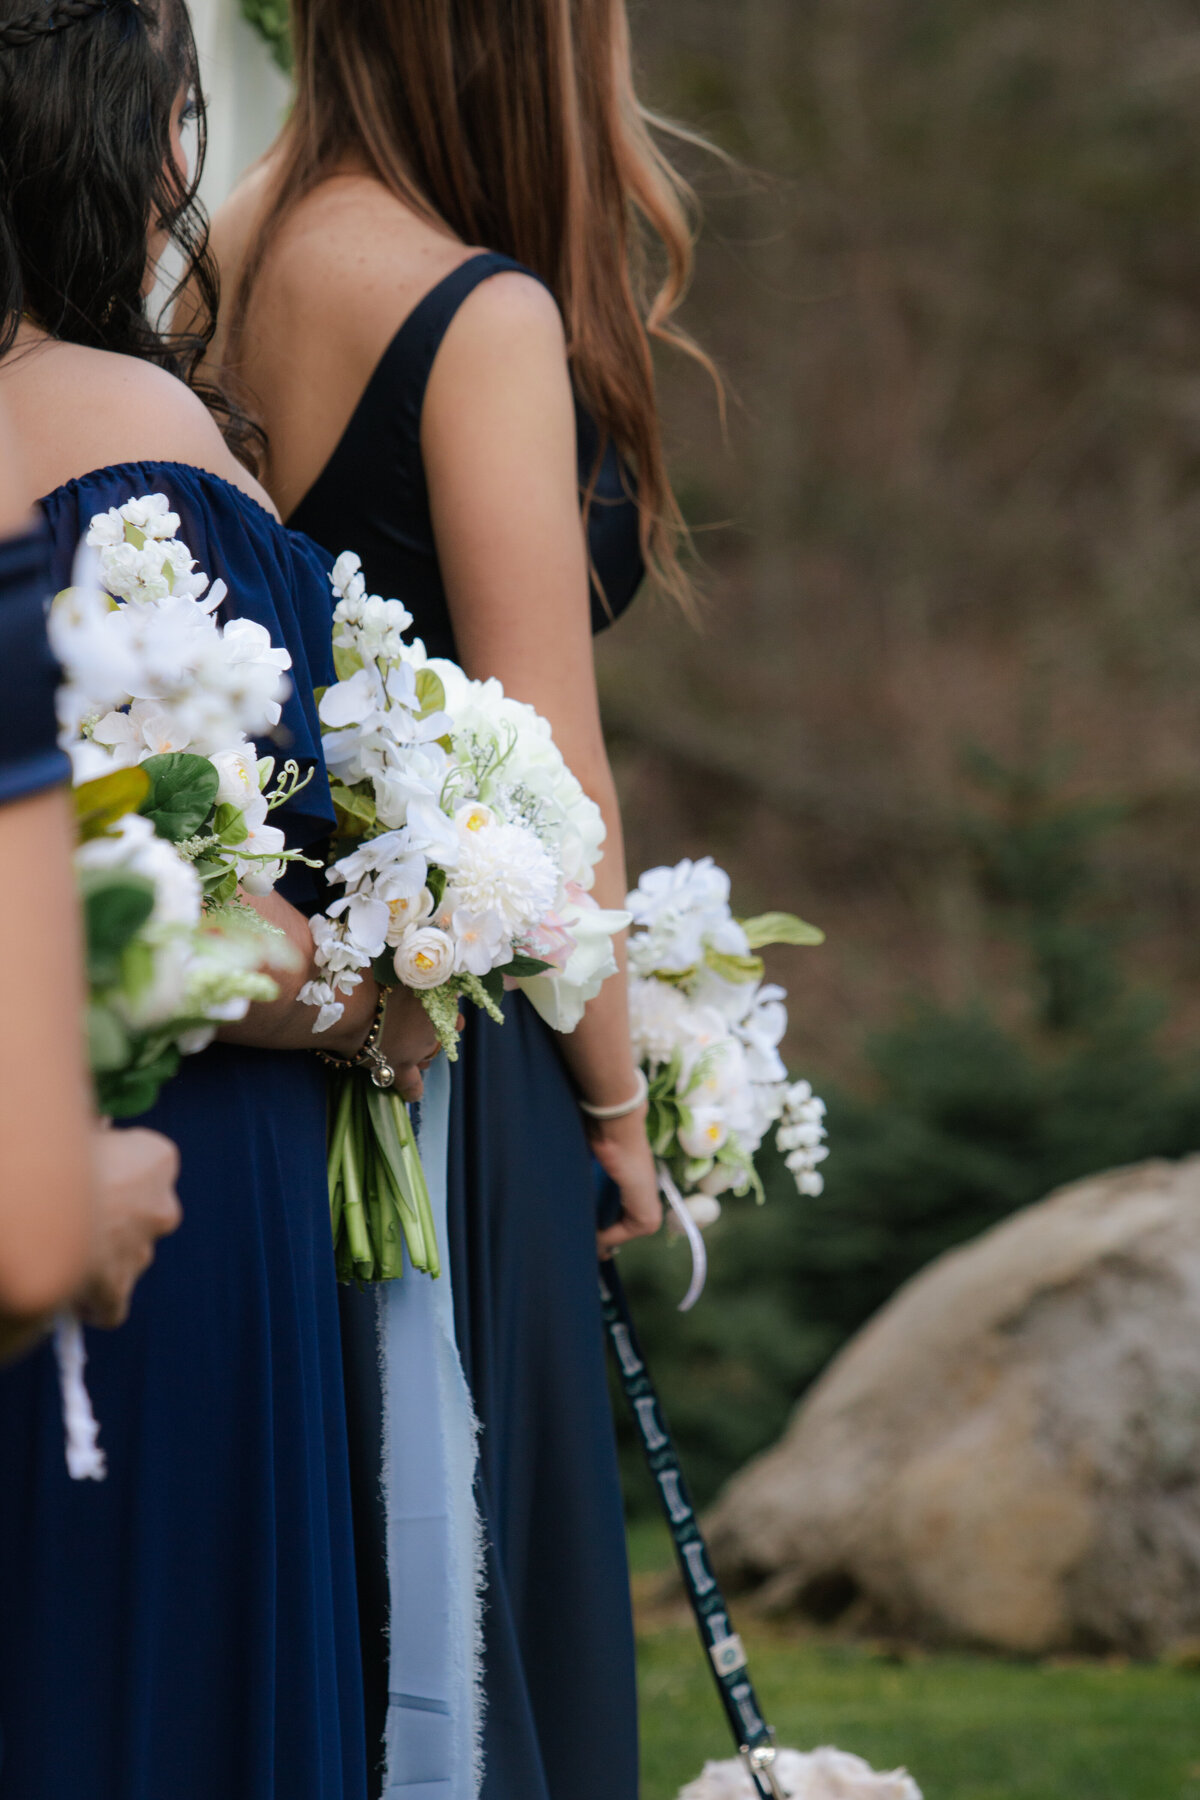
(272, 20)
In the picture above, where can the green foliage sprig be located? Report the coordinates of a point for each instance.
(272, 20)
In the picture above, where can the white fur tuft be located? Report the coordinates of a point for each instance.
(825, 1775)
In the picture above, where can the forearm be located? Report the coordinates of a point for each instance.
(598, 1052)
(285, 1023)
(45, 1094)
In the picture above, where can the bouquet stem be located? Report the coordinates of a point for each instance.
(378, 1198)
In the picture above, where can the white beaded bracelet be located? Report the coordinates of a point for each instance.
(623, 1107)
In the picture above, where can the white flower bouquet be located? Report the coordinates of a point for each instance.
(706, 1032)
(465, 851)
(172, 801)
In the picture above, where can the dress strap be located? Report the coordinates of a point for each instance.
(408, 360)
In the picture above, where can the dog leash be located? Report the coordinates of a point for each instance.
(727, 1658)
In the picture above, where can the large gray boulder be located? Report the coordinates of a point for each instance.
(1008, 1455)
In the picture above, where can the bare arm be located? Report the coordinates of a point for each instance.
(498, 438)
(45, 1106)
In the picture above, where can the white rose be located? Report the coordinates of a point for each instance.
(406, 911)
(424, 957)
(704, 1136)
(719, 1180)
(705, 1210)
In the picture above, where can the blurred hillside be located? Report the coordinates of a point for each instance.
(959, 310)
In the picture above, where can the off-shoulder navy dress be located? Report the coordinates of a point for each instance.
(561, 1720)
(186, 1629)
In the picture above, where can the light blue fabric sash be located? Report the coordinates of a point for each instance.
(435, 1560)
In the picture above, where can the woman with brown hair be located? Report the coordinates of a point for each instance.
(436, 298)
(187, 1626)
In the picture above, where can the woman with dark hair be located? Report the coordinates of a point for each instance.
(188, 1627)
(437, 297)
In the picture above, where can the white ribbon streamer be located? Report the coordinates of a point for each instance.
(691, 1232)
(85, 1459)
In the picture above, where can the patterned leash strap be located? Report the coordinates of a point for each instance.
(754, 1738)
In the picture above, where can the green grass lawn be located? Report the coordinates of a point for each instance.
(968, 1728)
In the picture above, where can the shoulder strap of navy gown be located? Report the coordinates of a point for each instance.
(403, 372)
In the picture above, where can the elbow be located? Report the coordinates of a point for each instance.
(45, 1244)
(40, 1279)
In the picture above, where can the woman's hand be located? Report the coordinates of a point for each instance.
(135, 1206)
(409, 1041)
(622, 1149)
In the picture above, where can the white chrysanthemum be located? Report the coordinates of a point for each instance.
(504, 870)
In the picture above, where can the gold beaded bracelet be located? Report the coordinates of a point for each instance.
(370, 1057)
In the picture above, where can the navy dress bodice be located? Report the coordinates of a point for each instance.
(561, 1714)
(371, 495)
(187, 1627)
(30, 759)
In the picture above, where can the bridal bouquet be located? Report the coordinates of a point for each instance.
(465, 850)
(156, 708)
(706, 1031)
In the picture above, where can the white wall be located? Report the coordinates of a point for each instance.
(247, 95)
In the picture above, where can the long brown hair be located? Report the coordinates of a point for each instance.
(516, 124)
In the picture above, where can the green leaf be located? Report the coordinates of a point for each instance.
(734, 968)
(780, 928)
(183, 791)
(229, 823)
(435, 881)
(346, 662)
(522, 967)
(493, 985)
(107, 1039)
(126, 1093)
(430, 692)
(219, 884)
(384, 969)
(114, 910)
(100, 803)
(355, 811)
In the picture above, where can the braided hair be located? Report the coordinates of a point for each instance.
(87, 175)
(34, 25)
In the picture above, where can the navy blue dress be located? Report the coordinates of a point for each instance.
(30, 759)
(186, 1629)
(561, 1720)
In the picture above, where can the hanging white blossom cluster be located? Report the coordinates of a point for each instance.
(706, 1031)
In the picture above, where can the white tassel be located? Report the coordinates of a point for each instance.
(85, 1459)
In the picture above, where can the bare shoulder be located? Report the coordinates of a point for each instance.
(510, 312)
(353, 260)
(77, 409)
(501, 380)
(506, 339)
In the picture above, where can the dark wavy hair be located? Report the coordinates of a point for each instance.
(87, 88)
